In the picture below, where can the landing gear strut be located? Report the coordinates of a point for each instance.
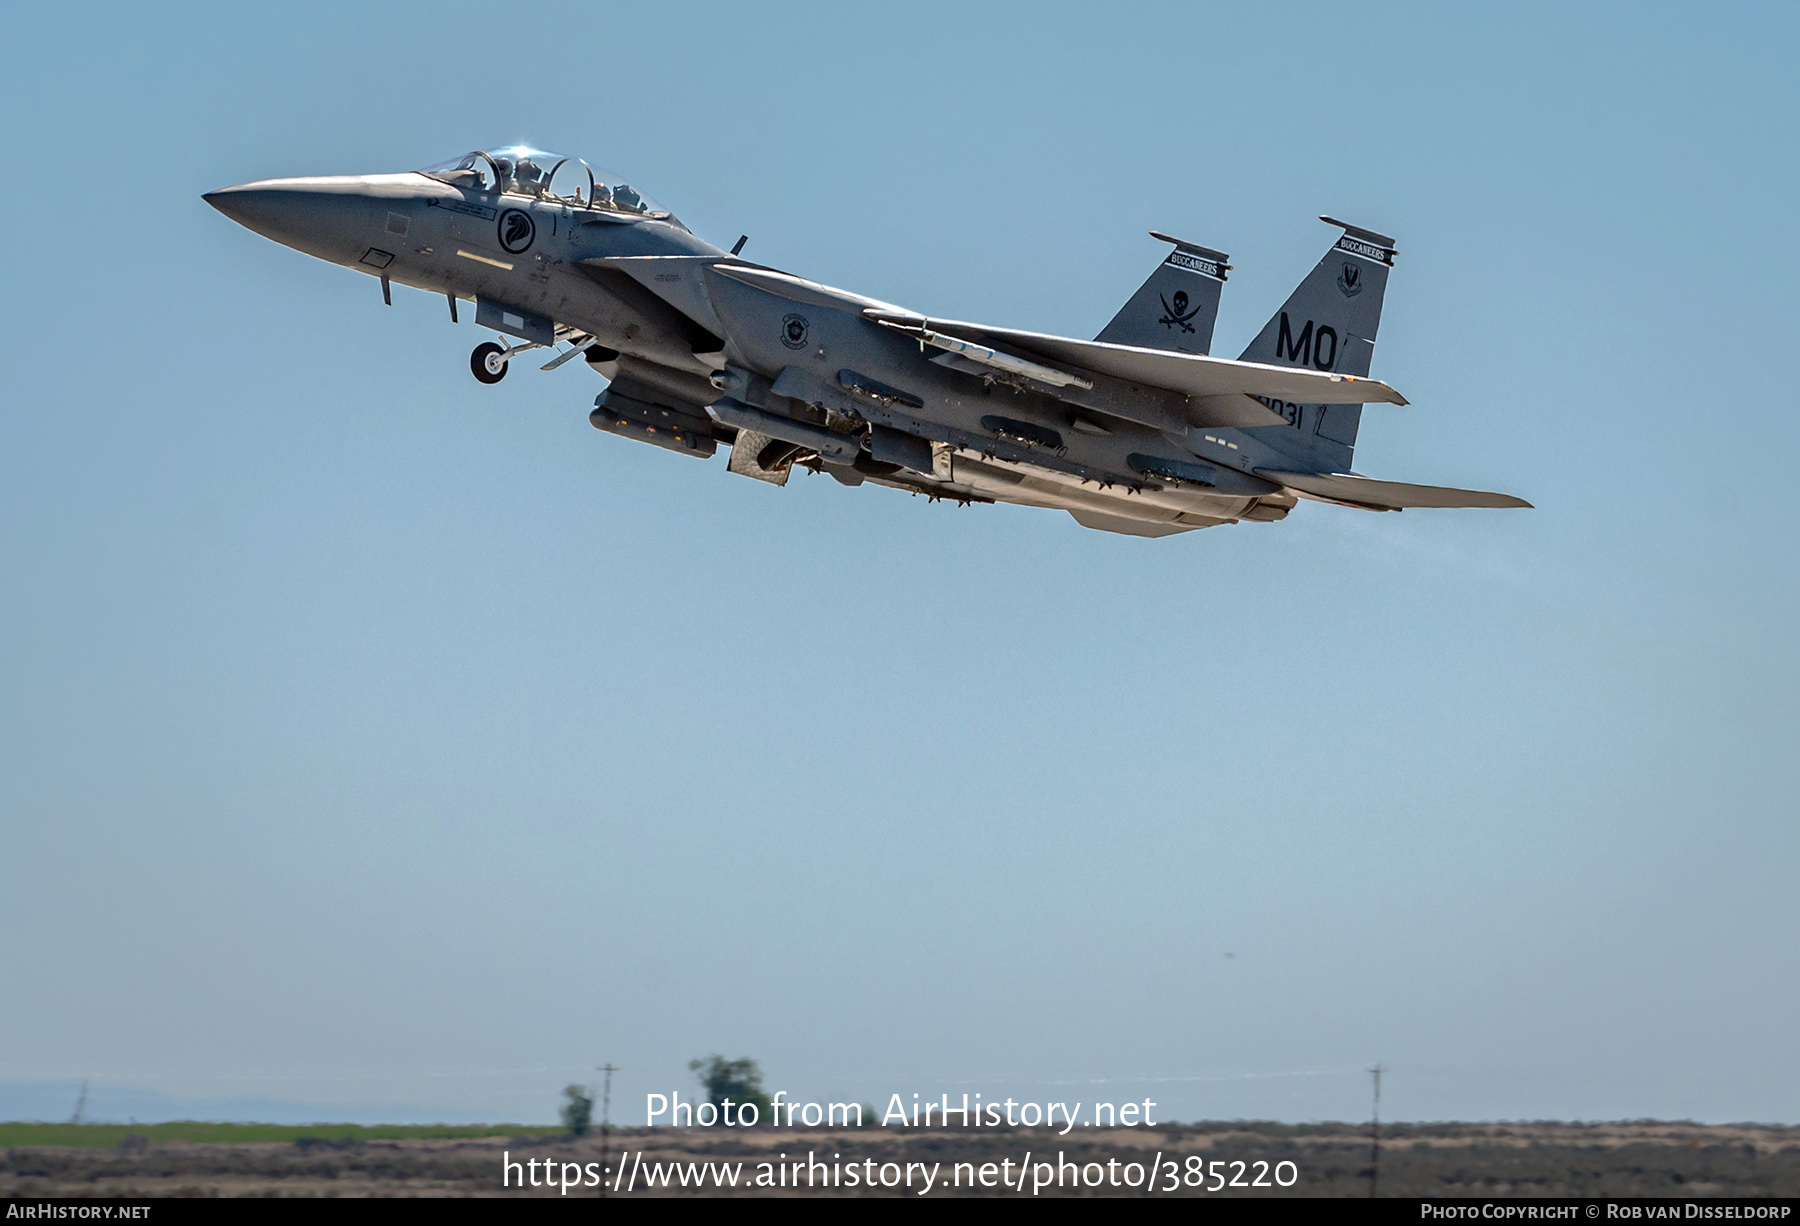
(488, 362)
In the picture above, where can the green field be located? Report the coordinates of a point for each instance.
(99, 1136)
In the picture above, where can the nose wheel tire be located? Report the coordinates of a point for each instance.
(487, 364)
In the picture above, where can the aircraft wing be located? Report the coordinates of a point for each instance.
(1188, 373)
(1386, 495)
(1156, 387)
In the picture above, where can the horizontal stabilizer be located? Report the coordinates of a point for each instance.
(1386, 495)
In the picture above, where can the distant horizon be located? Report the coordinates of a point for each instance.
(280, 1113)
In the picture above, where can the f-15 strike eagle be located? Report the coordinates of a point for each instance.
(1139, 431)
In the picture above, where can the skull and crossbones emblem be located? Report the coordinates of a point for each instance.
(1177, 312)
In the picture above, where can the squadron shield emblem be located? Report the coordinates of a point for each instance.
(1350, 280)
(517, 231)
(793, 331)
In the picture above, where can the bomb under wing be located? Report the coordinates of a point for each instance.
(1141, 431)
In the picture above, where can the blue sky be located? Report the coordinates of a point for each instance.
(384, 745)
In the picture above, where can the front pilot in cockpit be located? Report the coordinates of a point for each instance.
(520, 170)
(528, 178)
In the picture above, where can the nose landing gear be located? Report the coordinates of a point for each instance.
(488, 362)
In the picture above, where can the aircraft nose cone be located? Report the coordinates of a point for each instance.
(258, 206)
(228, 200)
(326, 216)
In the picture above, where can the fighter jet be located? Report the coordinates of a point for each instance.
(1139, 431)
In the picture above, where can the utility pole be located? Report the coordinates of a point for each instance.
(1375, 1157)
(609, 1068)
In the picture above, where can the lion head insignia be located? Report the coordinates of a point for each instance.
(517, 231)
(1350, 280)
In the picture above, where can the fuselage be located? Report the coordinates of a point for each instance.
(655, 302)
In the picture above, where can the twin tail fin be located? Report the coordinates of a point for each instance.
(1329, 323)
(1176, 308)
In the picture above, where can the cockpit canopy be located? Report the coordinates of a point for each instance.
(523, 171)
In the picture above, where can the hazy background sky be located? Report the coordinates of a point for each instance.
(379, 745)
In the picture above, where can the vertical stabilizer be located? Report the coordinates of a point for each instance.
(1329, 323)
(1177, 307)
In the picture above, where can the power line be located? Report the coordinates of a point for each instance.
(609, 1068)
(1375, 1156)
